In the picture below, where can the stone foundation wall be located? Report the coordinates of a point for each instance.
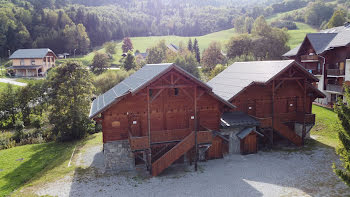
(234, 144)
(298, 128)
(118, 156)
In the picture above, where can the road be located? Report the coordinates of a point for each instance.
(12, 81)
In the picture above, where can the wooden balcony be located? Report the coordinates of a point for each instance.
(334, 88)
(138, 143)
(335, 72)
(158, 137)
(204, 137)
(309, 58)
(309, 118)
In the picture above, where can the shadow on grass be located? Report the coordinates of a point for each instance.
(46, 157)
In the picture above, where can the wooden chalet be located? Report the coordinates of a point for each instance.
(326, 55)
(159, 115)
(277, 93)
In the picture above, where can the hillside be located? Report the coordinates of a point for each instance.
(142, 43)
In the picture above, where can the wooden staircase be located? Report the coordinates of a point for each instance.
(287, 132)
(173, 154)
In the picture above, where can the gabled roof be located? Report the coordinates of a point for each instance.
(240, 75)
(320, 41)
(31, 53)
(138, 81)
(245, 132)
(325, 40)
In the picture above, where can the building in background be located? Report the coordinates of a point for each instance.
(32, 62)
(326, 55)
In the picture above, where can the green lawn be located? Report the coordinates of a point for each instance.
(3, 86)
(38, 163)
(298, 35)
(326, 126)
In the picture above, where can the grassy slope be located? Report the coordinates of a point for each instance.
(326, 126)
(41, 163)
(142, 43)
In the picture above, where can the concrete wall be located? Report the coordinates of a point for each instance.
(298, 128)
(234, 144)
(118, 156)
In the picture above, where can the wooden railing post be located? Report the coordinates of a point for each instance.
(195, 129)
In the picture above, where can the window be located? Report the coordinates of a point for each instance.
(176, 91)
(33, 62)
(150, 93)
(22, 62)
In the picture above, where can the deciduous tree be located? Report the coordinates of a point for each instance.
(70, 98)
(127, 45)
(99, 63)
(212, 56)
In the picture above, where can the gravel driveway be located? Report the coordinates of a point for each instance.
(274, 173)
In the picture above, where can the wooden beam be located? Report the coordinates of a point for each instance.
(200, 94)
(156, 95)
(171, 86)
(149, 131)
(279, 84)
(195, 129)
(163, 78)
(188, 94)
(301, 86)
(294, 78)
(273, 107)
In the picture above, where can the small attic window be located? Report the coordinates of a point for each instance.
(150, 93)
(176, 91)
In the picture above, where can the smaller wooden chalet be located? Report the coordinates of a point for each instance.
(32, 62)
(159, 115)
(277, 93)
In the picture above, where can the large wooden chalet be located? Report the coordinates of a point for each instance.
(159, 115)
(326, 55)
(277, 93)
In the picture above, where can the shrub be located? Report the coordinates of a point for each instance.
(36, 121)
(19, 134)
(6, 140)
(284, 24)
(108, 79)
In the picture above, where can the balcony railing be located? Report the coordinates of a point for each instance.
(166, 136)
(335, 88)
(335, 72)
(309, 58)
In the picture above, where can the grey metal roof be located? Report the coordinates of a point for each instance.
(241, 74)
(234, 119)
(24, 67)
(245, 132)
(30, 53)
(293, 51)
(320, 41)
(326, 40)
(137, 81)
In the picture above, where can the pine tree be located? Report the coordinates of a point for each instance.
(343, 112)
(129, 61)
(189, 46)
(196, 50)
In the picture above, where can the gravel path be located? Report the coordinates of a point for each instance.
(12, 81)
(275, 173)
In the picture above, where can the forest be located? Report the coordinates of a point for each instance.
(65, 25)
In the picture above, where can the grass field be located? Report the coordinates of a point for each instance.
(37, 163)
(326, 126)
(142, 43)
